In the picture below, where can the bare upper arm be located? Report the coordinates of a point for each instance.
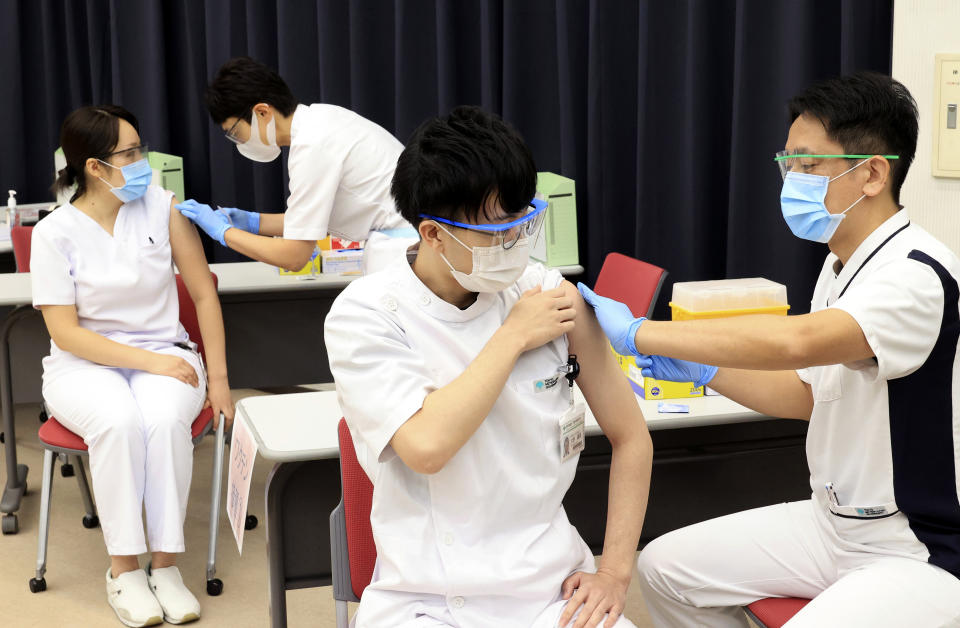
(188, 255)
(606, 389)
(59, 319)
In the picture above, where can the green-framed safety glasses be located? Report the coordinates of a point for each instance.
(802, 162)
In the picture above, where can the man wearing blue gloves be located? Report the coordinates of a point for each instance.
(340, 167)
(874, 367)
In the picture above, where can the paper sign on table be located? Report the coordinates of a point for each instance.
(243, 453)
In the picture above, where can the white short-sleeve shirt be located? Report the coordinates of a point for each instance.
(487, 535)
(341, 166)
(885, 432)
(123, 285)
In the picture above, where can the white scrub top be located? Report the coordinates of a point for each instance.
(123, 285)
(487, 535)
(341, 166)
(886, 431)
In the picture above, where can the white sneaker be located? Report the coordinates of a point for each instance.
(179, 605)
(130, 596)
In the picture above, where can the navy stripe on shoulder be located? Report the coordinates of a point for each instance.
(921, 435)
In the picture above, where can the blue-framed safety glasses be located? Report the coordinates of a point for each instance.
(509, 233)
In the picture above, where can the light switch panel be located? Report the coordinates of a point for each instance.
(945, 160)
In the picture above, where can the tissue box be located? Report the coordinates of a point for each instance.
(650, 388)
(341, 261)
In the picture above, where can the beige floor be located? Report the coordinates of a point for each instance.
(77, 558)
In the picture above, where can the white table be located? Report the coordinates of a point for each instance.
(233, 278)
(298, 433)
(242, 277)
(303, 426)
(15, 289)
(298, 426)
(301, 429)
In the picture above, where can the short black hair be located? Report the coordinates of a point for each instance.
(453, 165)
(867, 113)
(91, 131)
(240, 84)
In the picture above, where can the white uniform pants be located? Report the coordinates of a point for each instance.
(430, 611)
(137, 428)
(702, 574)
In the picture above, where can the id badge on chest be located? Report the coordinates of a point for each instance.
(572, 422)
(572, 432)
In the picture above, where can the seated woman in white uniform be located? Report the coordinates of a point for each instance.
(122, 372)
(450, 367)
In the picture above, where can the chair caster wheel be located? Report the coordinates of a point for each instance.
(66, 470)
(214, 587)
(36, 586)
(90, 522)
(9, 524)
(43, 416)
(251, 522)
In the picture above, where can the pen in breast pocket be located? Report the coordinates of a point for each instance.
(832, 494)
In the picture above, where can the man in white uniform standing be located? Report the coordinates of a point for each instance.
(340, 169)
(450, 370)
(873, 367)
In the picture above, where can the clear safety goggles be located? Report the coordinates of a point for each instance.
(126, 156)
(792, 161)
(508, 233)
(231, 133)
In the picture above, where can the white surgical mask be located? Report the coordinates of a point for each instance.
(494, 268)
(256, 150)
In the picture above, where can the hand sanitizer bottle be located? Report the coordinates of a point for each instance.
(12, 209)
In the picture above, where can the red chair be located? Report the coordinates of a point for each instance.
(630, 281)
(353, 552)
(20, 239)
(60, 442)
(774, 612)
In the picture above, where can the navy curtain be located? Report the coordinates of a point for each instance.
(666, 113)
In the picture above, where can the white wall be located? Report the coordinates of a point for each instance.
(921, 29)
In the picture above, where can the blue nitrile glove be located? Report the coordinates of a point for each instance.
(242, 219)
(210, 221)
(616, 319)
(674, 370)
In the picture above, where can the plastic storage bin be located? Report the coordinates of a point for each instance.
(728, 297)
